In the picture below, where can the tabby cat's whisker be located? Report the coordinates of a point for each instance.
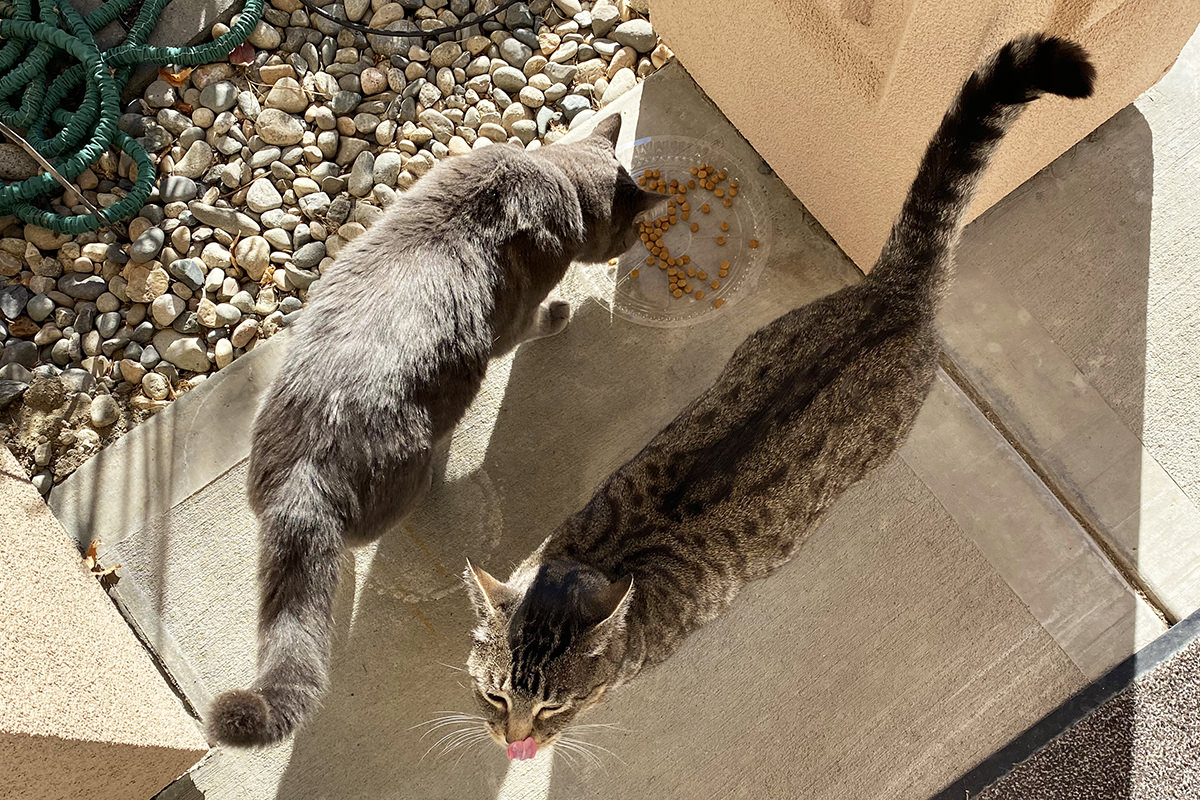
(450, 735)
(446, 719)
(471, 745)
(575, 746)
(612, 726)
(462, 739)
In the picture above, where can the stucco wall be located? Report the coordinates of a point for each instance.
(841, 96)
(83, 711)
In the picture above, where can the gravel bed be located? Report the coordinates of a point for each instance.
(266, 170)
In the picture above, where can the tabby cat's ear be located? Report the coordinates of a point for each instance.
(608, 129)
(487, 593)
(614, 603)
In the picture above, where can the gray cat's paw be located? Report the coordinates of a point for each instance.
(553, 317)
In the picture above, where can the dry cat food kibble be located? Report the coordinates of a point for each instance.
(652, 232)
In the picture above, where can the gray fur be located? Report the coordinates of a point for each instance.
(391, 350)
(805, 407)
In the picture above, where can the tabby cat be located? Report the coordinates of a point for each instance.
(382, 365)
(725, 493)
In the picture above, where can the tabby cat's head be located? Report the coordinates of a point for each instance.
(609, 198)
(547, 647)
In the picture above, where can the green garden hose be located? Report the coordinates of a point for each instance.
(71, 118)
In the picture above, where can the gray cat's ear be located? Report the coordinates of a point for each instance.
(608, 129)
(487, 593)
(649, 200)
(614, 603)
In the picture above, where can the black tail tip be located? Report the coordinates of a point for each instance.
(240, 718)
(1060, 66)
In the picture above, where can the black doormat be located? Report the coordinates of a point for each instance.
(1134, 733)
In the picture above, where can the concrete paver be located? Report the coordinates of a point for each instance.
(1072, 320)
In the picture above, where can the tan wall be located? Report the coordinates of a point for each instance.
(840, 96)
(83, 711)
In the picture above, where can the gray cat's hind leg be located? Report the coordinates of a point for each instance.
(401, 499)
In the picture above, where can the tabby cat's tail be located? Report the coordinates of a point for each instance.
(915, 260)
(298, 576)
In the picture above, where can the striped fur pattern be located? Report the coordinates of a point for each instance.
(805, 407)
(383, 363)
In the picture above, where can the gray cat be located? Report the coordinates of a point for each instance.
(724, 494)
(383, 364)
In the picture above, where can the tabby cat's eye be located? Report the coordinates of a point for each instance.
(550, 709)
(498, 700)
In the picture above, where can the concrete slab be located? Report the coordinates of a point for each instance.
(83, 709)
(1075, 332)
(889, 657)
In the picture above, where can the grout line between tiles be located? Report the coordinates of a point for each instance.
(1129, 575)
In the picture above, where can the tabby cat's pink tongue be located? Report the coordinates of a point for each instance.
(526, 748)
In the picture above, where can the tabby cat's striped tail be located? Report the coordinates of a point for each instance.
(915, 261)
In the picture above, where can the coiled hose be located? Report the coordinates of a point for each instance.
(70, 115)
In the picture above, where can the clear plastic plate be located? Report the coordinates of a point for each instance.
(646, 298)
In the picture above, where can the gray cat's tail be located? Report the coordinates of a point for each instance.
(914, 264)
(298, 575)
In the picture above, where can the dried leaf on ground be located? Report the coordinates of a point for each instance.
(91, 559)
(176, 79)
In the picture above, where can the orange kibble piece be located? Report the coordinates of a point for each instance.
(721, 175)
(672, 262)
(662, 265)
(641, 181)
(732, 191)
(753, 243)
(687, 288)
(722, 273)
(715, 284)
(692, 184)
(724, 226)
(678, 292)
(695, 226)
(720, 240)
(685, 216)
(727, 202)
(718, 303)
(704, 208)
(649, 260)
(686, 259)
(719, 192)
(671, 271)
(686, 206)
(699, 294)
(695, 170)
(702, 275)
(633, 273)
(691, 273)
